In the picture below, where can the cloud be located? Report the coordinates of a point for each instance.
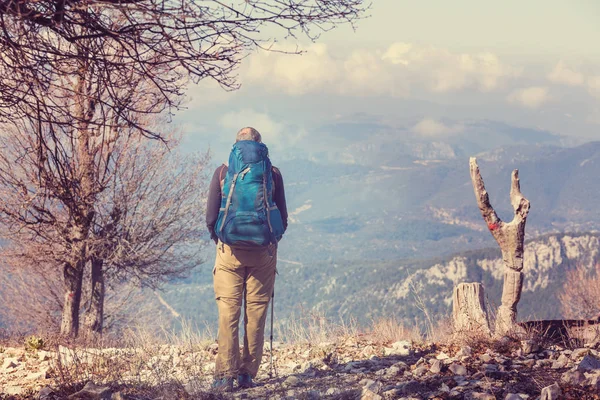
(276, 134)
(268, 128)
(295, 74)
(531, 97)
(394, 71)
(564, 75)
(593, 84)
(443, 71)
(432, 128)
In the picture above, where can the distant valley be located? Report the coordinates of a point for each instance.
(364, 224)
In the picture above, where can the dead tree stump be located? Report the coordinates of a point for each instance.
(510, 237)
(468, 309)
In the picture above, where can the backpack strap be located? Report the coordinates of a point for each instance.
(222, 178)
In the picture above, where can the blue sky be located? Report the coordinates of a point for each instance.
(422, 68)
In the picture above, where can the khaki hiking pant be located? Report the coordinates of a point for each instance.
(249, 275)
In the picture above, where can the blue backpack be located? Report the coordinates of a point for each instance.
(248, 216)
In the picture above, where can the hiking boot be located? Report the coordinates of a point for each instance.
(245, 381)
(223, 385)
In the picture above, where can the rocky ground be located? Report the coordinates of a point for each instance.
(351, 368)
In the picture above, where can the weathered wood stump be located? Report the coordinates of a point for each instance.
(510, 237)
(468, 309)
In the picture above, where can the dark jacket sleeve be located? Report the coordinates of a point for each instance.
(279, 196)
(213, 203)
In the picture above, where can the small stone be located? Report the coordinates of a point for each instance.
(9, 363)
(371, 385)
(513, 396)
(592, 381)
(486, 358)
(572, 378)
(551, 392)
(458, 369)
(45, 393)
(563, 357)
(529, 346)
(442, 356)
(13, 390)
(291, 381)
(578, 353)
(589, 363)
(36, 376)
(482, 396)
(529, 363)
(369, 395)
(419, 371)
(558, 364)
(332, 391)
(436, 367)
(464, 351)
(401, 365)
(43, 355)
(402, 346)
(392, 393)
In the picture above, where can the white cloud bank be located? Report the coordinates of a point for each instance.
(593, 84)
(235, 120)
(530, 97)
(429, 127)
(393, 71)
(563, 74)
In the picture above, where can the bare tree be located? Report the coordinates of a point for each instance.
(580, 295)
(147, 228)
(32, 299)
(163, 42)
(510, 237)
(145, 231)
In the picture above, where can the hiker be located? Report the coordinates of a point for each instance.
(246, 216)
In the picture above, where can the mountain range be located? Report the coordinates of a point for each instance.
(379, 219)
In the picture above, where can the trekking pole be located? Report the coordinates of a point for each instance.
(271, 337)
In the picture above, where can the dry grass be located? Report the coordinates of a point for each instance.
(141, 362)
(313, 327)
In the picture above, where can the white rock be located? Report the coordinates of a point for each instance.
(551, 392)
(10, 363)
(35, 376)
(43, 355)
(458, 369)
(291, 381)
(464, 351)
(13, 390)
(45, 393)
(512, 396)
(369, 395)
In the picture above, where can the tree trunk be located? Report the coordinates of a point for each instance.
(510, 237)
(95, 319)
(73, 273)
(82, 209)
(468, 310)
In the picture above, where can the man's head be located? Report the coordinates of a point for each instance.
(248, 134)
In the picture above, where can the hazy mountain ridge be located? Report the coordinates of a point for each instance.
(353, 224)
(429, 209)
(367, 289)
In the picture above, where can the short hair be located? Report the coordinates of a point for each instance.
(248, 134)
